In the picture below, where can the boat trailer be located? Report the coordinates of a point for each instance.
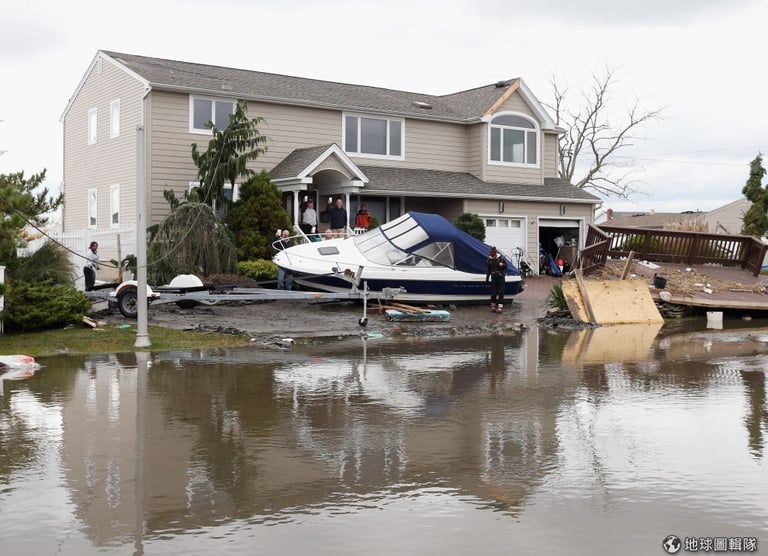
(188, 291)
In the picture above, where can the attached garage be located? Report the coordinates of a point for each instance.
(560, 238)
(506, 233)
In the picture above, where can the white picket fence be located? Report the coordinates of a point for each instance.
(113, 244)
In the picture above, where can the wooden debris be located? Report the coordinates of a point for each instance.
(408, 308)
(418, 316)
(610, 301)
(90, 322)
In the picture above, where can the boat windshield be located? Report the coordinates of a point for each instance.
(403, 242)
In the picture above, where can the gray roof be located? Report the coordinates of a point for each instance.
(463, 184)
(463, 107)
(651, 219)
(405, 181)
(296, 162)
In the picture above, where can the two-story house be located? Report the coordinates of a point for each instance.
(491, 150)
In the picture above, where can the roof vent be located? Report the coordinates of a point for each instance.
(226, 87)
(502, 84)
(424, 105)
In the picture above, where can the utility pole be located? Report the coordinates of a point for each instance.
(142, 330)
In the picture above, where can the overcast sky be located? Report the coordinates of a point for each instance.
(703, 61)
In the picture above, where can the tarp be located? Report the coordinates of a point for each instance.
(433, 237)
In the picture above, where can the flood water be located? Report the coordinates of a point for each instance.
(534, 442)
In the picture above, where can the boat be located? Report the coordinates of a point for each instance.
(424, 256)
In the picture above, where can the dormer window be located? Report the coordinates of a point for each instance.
(513, 139)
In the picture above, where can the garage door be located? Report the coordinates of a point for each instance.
(505, 233)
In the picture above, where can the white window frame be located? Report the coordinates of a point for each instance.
(213, 100)
(114, 206)
(114, 118)
(235, 193)
(536, 129)
(361, 154)
(92, 204)
(93, 126)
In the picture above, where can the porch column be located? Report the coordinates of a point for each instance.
(296, 214)
(346, 206)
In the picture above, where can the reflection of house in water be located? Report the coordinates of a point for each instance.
(190, 443)
(445, 418)
(197, 440)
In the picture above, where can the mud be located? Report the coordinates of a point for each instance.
(271, 322)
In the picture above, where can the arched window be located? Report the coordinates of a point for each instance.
(513, 139)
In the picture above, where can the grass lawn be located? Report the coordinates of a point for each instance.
(111, 339)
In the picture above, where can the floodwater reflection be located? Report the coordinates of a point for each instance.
(533, 442)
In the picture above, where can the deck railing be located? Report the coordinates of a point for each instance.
(671, 246)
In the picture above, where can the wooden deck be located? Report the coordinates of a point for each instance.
(706, 287)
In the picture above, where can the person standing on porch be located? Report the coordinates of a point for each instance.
(497, 269)
(338, 219)
(363, 219)
(308, 222)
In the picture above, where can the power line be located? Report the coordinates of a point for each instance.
(672, 161)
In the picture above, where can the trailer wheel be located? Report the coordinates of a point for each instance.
(363, 321)
(186, 303)
(127, 304)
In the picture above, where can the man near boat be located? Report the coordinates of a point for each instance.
(497, 268)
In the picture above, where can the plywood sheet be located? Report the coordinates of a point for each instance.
(611, 301)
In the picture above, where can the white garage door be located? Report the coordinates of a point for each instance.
(505, 233)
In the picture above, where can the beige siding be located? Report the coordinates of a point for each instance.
(332, 163)
(109, 161)
(476, 140)
(288, 128)
(428, 145)
(550, 157)
(171, 165)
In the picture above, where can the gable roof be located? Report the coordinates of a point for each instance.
(300, 163)
(465, 107)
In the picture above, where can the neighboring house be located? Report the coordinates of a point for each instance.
(652, 219)
(729, 218)
(492, 150)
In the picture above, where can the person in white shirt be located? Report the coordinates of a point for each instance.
(308, 222)
(91, 266)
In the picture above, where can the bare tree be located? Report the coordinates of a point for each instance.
(591, 139)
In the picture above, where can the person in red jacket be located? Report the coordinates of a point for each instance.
(363, 219)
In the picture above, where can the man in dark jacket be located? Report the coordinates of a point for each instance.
(497, 269)
(338, 219)
(284, 277)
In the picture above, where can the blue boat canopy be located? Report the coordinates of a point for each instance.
(423, 239)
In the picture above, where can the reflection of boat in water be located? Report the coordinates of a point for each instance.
(17, 367)
(423, 254)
